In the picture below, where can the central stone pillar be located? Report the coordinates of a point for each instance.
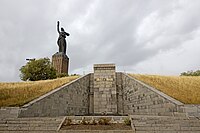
(105, 97)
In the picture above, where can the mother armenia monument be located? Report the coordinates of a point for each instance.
(60, 60)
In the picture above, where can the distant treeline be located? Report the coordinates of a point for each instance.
(191, 73)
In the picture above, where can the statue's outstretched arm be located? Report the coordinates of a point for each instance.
(58, 29)
(67, 34)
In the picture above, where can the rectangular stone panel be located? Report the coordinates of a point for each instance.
(105, 89)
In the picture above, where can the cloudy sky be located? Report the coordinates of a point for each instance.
(139, 36)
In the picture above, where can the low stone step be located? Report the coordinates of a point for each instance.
(31, 128)
(164, 128)
(97, 131)
(29, 132)
(30, 124)
(165, 124)
(28, 128)
(170, 128)
(157, 125)
(22, 128)
(191, 123)
(34, 119)
(167, 132)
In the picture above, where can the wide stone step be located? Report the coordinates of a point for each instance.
(97, 131)
(29, 132)
(146, 117)
(169, 124)
(165, 124)
(22, 128)
(166, 128)
(30, 124)
(167, 132)
(33, 119)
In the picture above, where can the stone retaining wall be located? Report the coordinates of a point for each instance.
(9, 112)
(91, 95)
(113, 119)
(142, 99)
(77, 98)
(70, 99)
(120, 106)
(192, 110)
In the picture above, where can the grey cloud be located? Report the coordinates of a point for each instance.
(127, 33)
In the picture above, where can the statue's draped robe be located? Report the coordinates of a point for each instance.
(62, 42)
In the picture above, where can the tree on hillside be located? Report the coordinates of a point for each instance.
(40, 69)
(191, 73)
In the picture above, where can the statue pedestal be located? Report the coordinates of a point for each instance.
(60, 62)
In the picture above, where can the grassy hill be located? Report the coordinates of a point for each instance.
(183, 88)
(19, 93)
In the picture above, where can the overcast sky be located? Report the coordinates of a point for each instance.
(139, 36)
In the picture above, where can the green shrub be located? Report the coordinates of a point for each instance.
(68, 122)
(191, 73)
(94, 122)
(104, 121)
(40, 69)
(84, 122)
(60, 75)
(127, 121)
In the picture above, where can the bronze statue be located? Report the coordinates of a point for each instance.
(61, 39)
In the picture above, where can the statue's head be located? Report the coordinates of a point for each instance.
(62, 29)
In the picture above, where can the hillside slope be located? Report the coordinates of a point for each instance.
(183, 88)
(19, 93)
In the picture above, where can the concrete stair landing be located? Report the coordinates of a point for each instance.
(140, 124)
(24, 125)
(165, 124)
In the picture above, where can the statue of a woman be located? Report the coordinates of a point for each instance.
(61, 39)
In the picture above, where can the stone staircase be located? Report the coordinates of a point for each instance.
(165, 124)
(26, 125)
(140, 124)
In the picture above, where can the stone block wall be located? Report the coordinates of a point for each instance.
(120, 106)
(141, 99)
(105, 91)
(105, 97)
(192, 110)
(91, 95)
(70, 99)
(9, 112)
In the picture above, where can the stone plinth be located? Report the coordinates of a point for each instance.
(60, 62)
(105, 99)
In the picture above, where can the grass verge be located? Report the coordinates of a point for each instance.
(183, 88)
(19, 93)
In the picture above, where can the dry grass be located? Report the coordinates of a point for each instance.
(19, 93)
(183, 88)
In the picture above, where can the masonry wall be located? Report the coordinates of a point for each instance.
(192, 110)
(105, 97)
(120, 106)
(142, 99)
(9, 112)
(91, 95)
(70, 99)
(60, 62)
